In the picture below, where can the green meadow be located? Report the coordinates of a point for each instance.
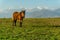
(32, 29)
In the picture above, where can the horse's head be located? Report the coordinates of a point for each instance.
(23, 13)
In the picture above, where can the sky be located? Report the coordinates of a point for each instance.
(16, 4)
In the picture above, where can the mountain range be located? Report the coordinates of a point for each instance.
(43, 13)
(32, 13)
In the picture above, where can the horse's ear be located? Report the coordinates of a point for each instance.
(23, 10)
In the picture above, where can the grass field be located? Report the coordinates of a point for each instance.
(33, 29)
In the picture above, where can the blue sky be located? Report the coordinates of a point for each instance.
(14, 4)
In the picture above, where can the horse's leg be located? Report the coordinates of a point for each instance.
(20, 23)
(15, 22)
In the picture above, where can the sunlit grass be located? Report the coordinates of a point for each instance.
(33, 29)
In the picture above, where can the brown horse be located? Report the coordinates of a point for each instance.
(18, 16)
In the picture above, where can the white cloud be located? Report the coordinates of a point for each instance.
(28, 9)
(9, 8)
(1, 10)
(39, 7)
(46, 7)
(42, 7)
